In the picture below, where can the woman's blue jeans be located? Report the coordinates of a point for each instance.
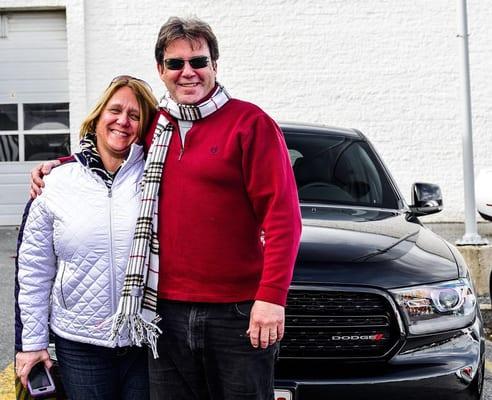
(91, 372)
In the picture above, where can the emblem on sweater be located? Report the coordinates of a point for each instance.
(214, 149)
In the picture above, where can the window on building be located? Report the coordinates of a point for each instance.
(34, 132)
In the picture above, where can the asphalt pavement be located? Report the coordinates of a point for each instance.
(8, 238)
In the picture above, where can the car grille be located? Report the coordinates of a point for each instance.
(338, 324)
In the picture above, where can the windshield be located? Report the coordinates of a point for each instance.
(338, 170)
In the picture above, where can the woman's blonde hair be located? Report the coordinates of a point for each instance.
(146, 101)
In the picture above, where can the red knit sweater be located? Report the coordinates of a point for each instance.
(231, 181)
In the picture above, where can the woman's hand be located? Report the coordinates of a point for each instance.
(25, 360)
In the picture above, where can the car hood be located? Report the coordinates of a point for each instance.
(347, 246)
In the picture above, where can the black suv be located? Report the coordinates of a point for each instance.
(380, 307)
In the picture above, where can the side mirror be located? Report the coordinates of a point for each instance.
(426, 199)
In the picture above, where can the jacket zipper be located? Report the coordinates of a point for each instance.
(182, 142)
(114, 303)
(111, 261)
(182, 148)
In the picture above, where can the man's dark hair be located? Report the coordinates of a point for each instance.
(191, 29)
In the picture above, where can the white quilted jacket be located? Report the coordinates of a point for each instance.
(73, 254)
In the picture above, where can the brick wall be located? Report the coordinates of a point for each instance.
(390, 68)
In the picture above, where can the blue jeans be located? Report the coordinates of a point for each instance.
(205, 354)
(91, 372)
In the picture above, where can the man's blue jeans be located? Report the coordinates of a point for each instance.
(205, 354)
(91, 372)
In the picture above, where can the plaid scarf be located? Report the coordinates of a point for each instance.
(138, 303)
(194, 112)
(89, 157)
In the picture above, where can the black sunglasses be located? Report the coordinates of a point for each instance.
(128, 78)
(176, 64)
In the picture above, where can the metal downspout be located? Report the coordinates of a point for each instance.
(471, 236)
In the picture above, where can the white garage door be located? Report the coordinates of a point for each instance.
(33, 101)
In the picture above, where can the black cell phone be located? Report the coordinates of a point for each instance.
(40, 381)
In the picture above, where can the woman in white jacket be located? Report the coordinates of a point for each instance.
(73, 249)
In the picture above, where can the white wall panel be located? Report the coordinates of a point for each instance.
(33, 69)
(389, 68)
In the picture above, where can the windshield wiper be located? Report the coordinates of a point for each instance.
(386, 249)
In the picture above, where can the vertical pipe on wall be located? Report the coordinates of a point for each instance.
(471, 236)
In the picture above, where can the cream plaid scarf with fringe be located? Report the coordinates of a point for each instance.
(137, 306)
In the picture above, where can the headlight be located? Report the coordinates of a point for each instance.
(439, 307)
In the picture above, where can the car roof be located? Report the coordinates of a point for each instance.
(317, 128)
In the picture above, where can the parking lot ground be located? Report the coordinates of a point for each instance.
(8, 237)
(7, 390)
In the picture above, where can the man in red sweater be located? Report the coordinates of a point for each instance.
(228, 228)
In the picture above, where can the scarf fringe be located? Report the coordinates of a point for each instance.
(139, 331)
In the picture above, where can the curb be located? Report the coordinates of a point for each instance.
(486, 311)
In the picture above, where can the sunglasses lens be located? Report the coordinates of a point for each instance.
(198, 62)
(174, 63)
(177, 63)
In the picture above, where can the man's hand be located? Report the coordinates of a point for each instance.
(37, 174)
(266, 324)
(25, 360)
